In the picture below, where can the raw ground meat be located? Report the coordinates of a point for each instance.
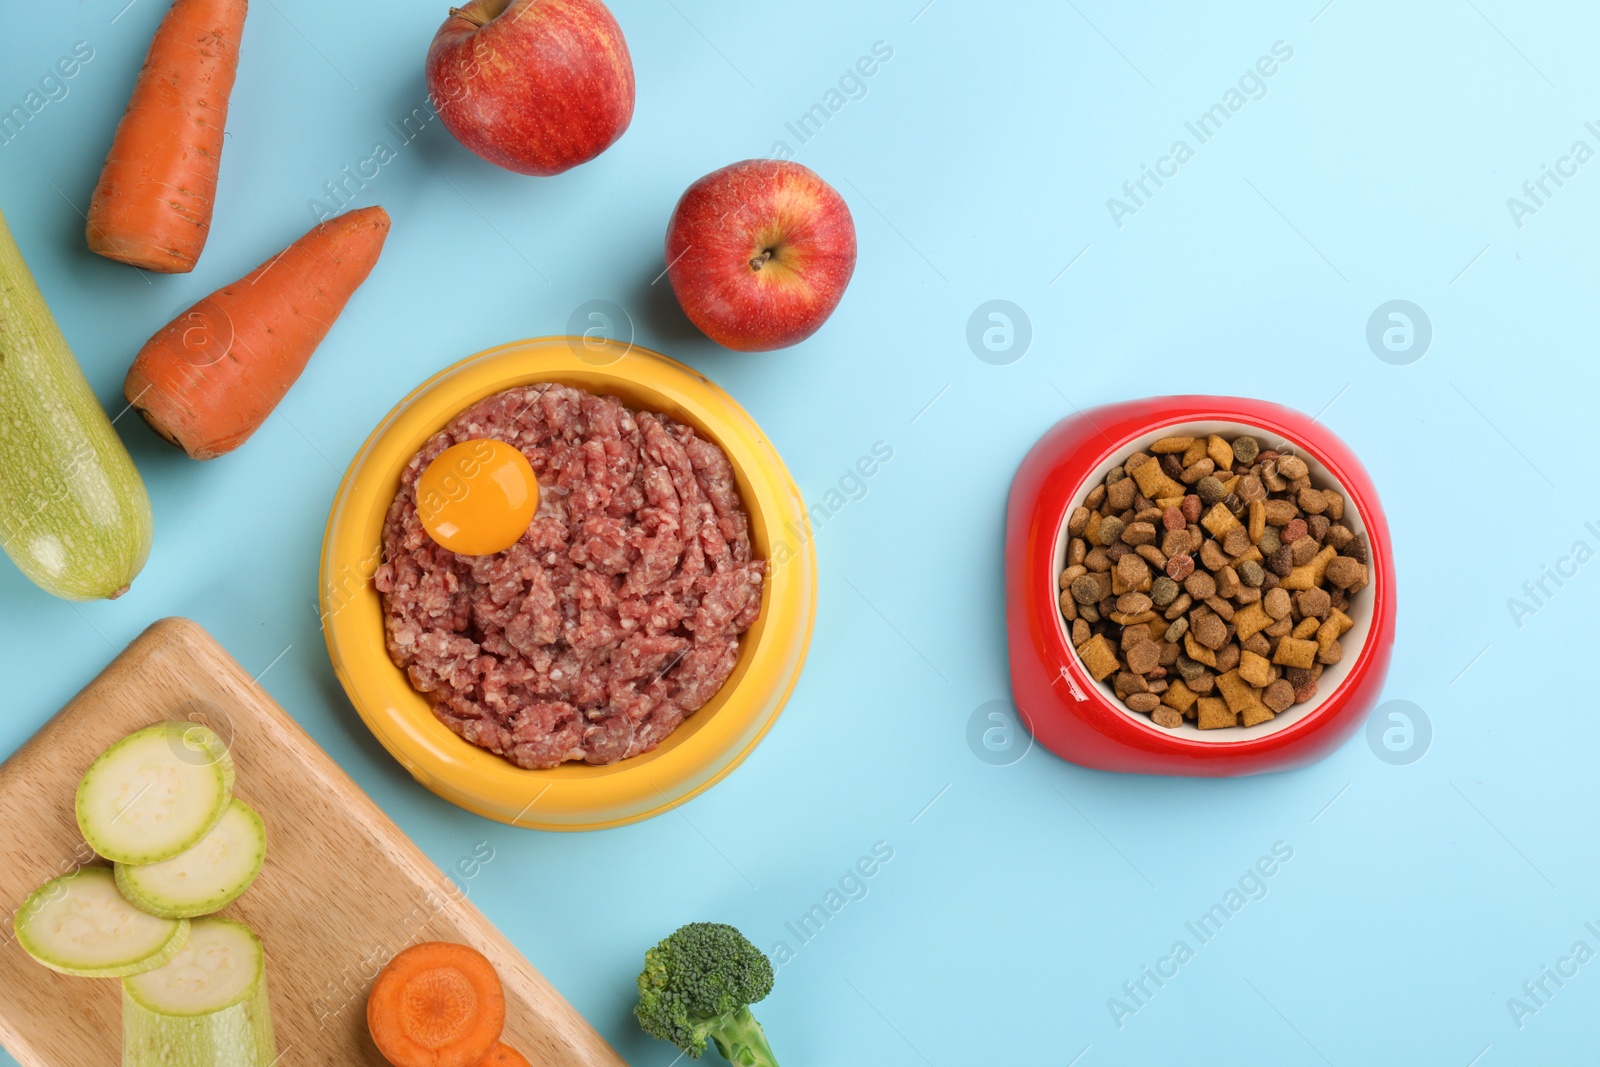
(617, 614)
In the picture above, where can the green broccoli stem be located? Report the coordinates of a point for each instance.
(742, 1042)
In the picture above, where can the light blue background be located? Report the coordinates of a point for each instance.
(978, 165)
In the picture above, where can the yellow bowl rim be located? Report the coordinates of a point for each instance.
(708, 745)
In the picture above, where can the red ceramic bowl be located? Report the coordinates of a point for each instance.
(1080, 719)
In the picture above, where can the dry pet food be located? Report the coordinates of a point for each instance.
(1208, 579)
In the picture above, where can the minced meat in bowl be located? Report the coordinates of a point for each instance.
(616, 616)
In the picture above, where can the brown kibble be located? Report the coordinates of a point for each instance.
(1180, 567)
(1292, 467)
(1194, 453)
(1255, 715)
(1312, 501)
(1200, 585)
(1167, 718)
(1254, 668)
(1193, 473)
(1172, 444)
(1250, 489)
(1302, 551)
(1078, 521)
(1132, 571)
(1280, 512)
(1153, 556)
(1223, 609)
(1153, 482)
(1277, 603)
(1077, 551)
(1257, 644)
(1235, 690)
(1220, 451)
(1214, 714)
(1317, 527)
(1335, 505)
(1251, 574)
(1294, 652)
(1256, 525)
(1098, 658)
(1176, 630)
(1303, 693)
(1172, 519)
(1314, 603)
(1119, 496)
(1144, 657)
(1080, 633)
(1096, 497)
(1279, 695)
(1219, 520)
(1247, 594)
(1178, 606)
(1306, 628)
(1227, 582)
(1086, 589)
(1236, 541)
(1143, 702)
(1250, 620)
(1227, 657)
(1133, 603)
(1069, 606)
(1212, 556)
(1330, 655)
(1178, 697)
(1345, 572)
(1293, 531)
(1139, 533)
(1127, 682)
(1110, 530)
(1209, 630)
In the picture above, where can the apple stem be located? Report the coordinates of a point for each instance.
(759, 261)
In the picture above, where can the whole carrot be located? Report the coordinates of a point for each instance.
(152, 205)
(209, 378)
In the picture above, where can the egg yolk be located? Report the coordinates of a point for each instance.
(477, 497)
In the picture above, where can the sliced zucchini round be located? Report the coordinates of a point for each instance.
(80, 925)
(208, 1007)
(205, 878)
(155, 793)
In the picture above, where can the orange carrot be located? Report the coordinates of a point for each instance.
(210, 377)
(437, 1005)
(505, 1056)
(152, 206)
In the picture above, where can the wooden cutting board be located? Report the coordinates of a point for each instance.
(342, 890)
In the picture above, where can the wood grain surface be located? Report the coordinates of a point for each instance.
(342, 890)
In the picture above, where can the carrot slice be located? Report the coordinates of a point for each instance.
(209, 378)
(504, 1055)
(152, 206)
(437, 1005)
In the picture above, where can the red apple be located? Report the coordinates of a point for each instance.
(535, 86)
(759, 253)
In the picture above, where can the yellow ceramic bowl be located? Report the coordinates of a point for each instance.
(575, 796)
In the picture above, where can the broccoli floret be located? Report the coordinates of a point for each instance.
(699, 983)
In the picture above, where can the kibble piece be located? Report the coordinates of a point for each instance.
(1190, 507)
(1069, 606)
(1096, 497)
(1292, 467)
(1172, 444)
(1198, 652)
(1077, 551)
(1305, 628)
(1200, 585)
(1258, 644)
(1132, 572)
(1209, 630)
(1176, 630)
(1086, 589)
(1247, 594)
(1221, 607)
(1127, 683)
(1180, 567)
(1214, 714)
(1227, 657)
(1236, 541)
(1219, 520)
(1110, 530)
(1211, 555)
(1294, 530)
(1080, 633)
(1153, 481)
(1255, 669)
(1251, 573)
(1303, 551)
(1100, 660)
(1257, 523)
(1144, 702)
(1163, 590)
(1144, 657)
(1314, 603)
(1331, 654)
(1345, 572)
(1119, 495)
(1179, 697)
(1220, 451)
(1139, 533)
(1246, 449)
(1172, 519)
(1210, 491)
(1254, 715)
(1078, 521)
(1250, 489)
(1312, 501)
(1166, 717)
(1235, 690)
(1250, 620)
(1195, 472)
(1294, 652)
(1178, 607)
(1133, 603)
(1317, 526)
(1279, 695)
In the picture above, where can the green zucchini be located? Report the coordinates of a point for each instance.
(205, 878)
(206, 1008)
(74, 515)
(79, 924)
(155, 793)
